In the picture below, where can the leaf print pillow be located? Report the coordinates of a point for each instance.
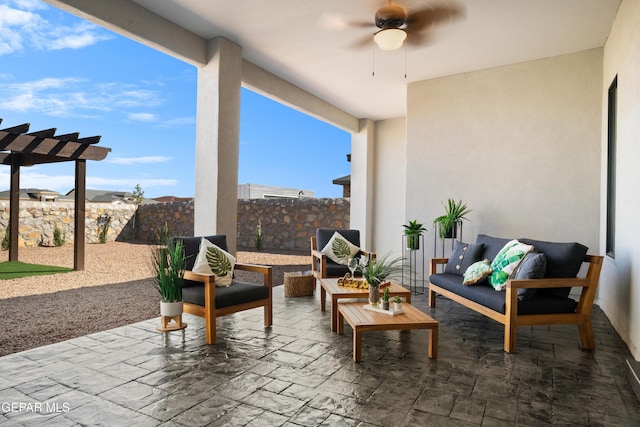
(339, 249)
(212, 259)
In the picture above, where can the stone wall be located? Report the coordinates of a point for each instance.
(286, 223)
(151, 219)
(38, 221)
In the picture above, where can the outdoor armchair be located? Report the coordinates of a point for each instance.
(203, 298)
(321, 264)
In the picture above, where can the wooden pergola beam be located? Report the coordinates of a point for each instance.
(30, 144)
(43, 146)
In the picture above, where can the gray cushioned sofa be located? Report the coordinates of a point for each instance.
(545, 301)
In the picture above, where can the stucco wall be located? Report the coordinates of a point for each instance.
(389, 183)
(519, 144)
(619, 290)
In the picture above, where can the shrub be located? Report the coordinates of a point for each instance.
(59, 239)
(5, 240)
(103, 227)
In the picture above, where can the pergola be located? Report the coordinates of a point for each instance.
(19, 147)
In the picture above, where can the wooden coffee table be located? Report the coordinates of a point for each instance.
(362, 320)
(330, 286)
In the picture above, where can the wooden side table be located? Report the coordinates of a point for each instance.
(167, 326)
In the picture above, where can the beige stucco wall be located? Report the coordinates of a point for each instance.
(389, 184)
(619, 292)
(519, 144)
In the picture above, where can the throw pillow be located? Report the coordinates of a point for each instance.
(462, 256)
(506, 261)
(533, 266)
(339, 250)
(212, 259)
(477, 272)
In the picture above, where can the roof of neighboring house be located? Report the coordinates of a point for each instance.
(105, 196)
(344, 180)
(33, 194)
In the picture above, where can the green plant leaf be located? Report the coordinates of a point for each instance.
(218, 262)
(341, 248)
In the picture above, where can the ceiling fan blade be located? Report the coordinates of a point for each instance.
(336, 22)
(362, 42)
(422, 19)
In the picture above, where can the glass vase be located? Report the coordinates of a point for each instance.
(374, 295)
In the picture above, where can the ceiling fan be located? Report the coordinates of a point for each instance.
(397, 25)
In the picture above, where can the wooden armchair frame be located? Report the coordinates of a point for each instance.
(210, 312)
(511, 319)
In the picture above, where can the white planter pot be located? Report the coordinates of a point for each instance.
(170, 309)
(397, 306)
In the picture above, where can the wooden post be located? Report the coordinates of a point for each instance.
(14, 207)
(79, 219)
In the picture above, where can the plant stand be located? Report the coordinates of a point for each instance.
(166, 326)
(415, 275)
(456, 234)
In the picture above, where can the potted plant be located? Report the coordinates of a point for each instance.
(376, 271)
(397, 303)
(168, 264)
(454, 214)
(385, 298)
(413, 231)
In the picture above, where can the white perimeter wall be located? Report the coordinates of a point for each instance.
(619, 291)
(519, 144)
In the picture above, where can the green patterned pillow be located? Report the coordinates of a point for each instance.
(339, 249)
(506, 261)
(212, 259)
(477, 272)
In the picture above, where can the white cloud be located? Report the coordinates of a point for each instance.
(142, 117)
(20, 28)
(138, 160)
(73, 96)
(65, 183)
(180, 121)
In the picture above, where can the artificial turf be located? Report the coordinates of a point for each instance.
(17, 269)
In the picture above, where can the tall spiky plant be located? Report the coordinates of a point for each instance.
(376, 271)
(168, 264)
(454, 212)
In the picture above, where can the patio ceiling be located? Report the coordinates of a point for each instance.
(302, 42)
(299, 41)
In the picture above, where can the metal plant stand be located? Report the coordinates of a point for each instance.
(415, 273)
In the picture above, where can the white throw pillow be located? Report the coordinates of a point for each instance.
(212, 259)
(339, 249)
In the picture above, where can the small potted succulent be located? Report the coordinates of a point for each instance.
(413, 230)
(385, 298)
(397, 303)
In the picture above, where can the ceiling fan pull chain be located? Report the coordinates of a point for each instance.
(373, 61)
(405, 62)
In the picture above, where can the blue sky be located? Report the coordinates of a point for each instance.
(57, 70)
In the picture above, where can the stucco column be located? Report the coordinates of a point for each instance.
(217, 142)
(362, 169)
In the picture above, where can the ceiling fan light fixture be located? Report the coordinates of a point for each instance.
(390, 38)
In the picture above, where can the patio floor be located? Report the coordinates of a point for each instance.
(299, 373)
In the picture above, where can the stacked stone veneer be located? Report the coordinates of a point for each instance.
(286, 223)
(38, 221)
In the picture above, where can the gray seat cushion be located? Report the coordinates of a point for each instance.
(485, 295)
(237, 293)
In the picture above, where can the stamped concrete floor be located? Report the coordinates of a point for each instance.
(299, 373)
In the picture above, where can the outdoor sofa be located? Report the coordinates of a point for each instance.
(544, 300)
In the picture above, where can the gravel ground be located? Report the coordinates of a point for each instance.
(114, 289)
